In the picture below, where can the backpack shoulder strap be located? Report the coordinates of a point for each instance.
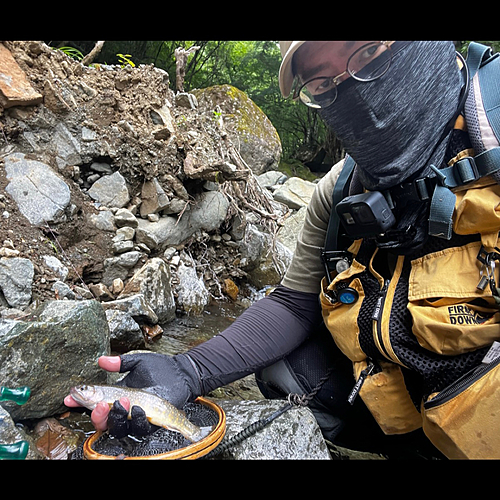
(335, 243)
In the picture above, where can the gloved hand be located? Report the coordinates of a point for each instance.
(173, 378)
(120, 425)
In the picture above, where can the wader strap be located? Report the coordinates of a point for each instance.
(335, 246)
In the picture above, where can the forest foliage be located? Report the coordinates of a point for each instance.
(251, 66)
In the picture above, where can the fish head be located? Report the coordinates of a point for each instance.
(87, 395)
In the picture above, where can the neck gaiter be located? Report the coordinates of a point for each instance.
(392, 126)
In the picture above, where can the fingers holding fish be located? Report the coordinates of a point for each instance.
(110, 363)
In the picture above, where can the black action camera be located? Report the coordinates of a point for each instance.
(364, 215)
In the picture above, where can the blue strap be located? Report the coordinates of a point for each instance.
(476, 52)
(340, 191)
(441, 214)
(462, 172)
(469, 169)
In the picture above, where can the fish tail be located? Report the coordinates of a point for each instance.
(203, 432)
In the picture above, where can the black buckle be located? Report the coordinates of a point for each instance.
(329, 257)
(417, 190)
(465, 167)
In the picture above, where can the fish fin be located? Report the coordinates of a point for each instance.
(204, 432)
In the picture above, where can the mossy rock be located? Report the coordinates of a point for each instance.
(249, 128)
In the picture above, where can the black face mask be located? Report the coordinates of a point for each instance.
(393, 127)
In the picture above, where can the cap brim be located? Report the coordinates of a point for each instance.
(286, 76)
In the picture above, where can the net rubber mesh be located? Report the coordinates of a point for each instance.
(160, 441)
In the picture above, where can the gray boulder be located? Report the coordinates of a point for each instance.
(56, 349)
(125, 332)
(110, 190)
(153, 282)
(39, 193)
(294, 435)
(247, 125)
(192, 294)
(208, 213)
(16, 278)
(295, 192)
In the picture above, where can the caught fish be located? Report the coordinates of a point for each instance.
(158, 410)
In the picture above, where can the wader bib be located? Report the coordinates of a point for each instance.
(423, 330)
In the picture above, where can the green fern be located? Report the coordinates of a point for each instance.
(71, 52)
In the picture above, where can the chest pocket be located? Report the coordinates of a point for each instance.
(450, 314)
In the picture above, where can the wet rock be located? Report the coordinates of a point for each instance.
(119, 266)
(16, 279)
(39, 193)
(192, 294)
(125, 332)
(135, 306)
(231, 289)
(294, 435)
(54, 440)
(295, 193)
(153, 282)
(111, 190)
(57, 348)
(11, 434)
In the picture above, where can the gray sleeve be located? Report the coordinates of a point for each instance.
(306, 269)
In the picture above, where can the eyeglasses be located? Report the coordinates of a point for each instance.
(366, 64)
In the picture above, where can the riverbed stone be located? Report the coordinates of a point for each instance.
(110, 190)
(207, 214)
(103, 220)
(192, 294)
(40, 194)
(153, 282)
(294, 435)
(119, 266)
(125, 332)
(56, 349)
(124, 217)
(11, 434)
(135, 306)
(295, 193)
(16, 279)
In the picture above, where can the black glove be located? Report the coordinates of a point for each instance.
(173, 378)
(119, 425)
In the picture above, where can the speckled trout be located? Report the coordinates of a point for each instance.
(158, 410)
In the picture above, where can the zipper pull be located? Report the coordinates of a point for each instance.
(381, 297)
(359, 383)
